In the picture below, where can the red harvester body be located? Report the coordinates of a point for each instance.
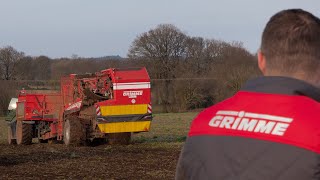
(107, 105)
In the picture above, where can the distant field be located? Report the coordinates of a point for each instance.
(165, 127)
(169, 127)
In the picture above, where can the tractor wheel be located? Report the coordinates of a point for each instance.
(10, 136)
(23, 133)
(119, 138)
(73, 132)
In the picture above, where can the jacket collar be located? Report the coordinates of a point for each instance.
(282, 85)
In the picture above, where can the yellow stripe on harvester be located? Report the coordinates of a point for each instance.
(138, 126)
(124, 109)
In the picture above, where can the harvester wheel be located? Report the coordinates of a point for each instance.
(10, 136)
(119, 138)
(73, 133)
(23, 133)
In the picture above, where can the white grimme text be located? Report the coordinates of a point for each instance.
(252, 122)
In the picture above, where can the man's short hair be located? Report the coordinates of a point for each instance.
(291, 42)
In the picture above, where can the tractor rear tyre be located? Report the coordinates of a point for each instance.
(73, 132)
(10, 136)
(23, 133)
(119, 138)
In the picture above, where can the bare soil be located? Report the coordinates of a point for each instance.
(152, 155)
(57, 161)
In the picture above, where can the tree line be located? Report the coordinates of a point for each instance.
(187, 72)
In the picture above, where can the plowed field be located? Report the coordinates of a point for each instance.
(42, 161)
(151, 155)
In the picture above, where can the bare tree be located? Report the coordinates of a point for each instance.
(42, 68)
(25, 69)
(196, 61)
(164, 46)
(9, 57)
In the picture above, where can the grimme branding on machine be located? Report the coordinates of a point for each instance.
(252, 122)
(132, 94)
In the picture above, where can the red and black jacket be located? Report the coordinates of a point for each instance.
(268, 130)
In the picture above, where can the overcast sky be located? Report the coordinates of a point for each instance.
(60, 28)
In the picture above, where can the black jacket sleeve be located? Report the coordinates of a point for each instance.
(190, 167)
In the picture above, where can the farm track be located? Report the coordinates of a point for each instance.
(57, 161)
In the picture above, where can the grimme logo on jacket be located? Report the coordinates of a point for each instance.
(252, 122)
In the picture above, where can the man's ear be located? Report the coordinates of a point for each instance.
(262, 62)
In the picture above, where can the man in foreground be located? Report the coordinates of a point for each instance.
(270, 129)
